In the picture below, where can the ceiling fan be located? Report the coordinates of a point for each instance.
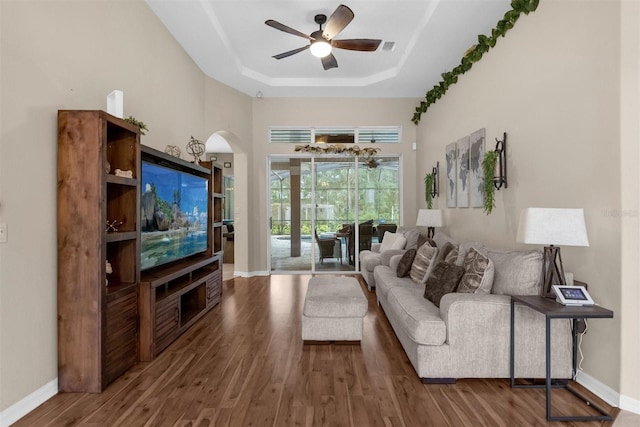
(321, 41)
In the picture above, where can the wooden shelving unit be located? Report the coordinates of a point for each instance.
(97, 311)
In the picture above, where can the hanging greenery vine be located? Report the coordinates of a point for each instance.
(474, 53)
(367, 154)
(488, 166)
(428, 185)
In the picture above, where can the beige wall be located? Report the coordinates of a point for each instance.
(327, 112)
(71, 55)
(553, 84)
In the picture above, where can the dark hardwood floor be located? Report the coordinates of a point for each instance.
(244, 364)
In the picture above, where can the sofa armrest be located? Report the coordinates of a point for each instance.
(463, 311)
(385, 256)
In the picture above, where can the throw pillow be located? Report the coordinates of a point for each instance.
(421, 262)
(405, 262)
(392, 241)
(452, 256)
(443, 280)
(478, 273)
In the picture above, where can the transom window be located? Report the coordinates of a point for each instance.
(337, 135)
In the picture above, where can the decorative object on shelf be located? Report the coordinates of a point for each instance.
(107, 166)
(494, 167)
(173, 150)
(136, 122)
(115, 103)
(367, 154)
(227, 164)
(124, 174)
(112, 226)
(474, 54)
(108, 269)
(476, 174)
(552, 226)
(429, 218)
(196, 148)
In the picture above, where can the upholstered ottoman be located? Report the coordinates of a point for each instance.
(334, 309)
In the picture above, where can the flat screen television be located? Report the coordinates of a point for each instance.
(173, 215)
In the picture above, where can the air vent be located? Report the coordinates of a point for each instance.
(388, 46)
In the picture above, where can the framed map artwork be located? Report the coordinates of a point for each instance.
(476, 174)
(463, 172)
(451, 156)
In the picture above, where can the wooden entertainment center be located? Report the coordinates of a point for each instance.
(110, 315)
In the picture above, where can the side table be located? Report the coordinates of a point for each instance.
(553, 310)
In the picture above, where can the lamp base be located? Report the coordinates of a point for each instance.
(430, 232)
(553, 272)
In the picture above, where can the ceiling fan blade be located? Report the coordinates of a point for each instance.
(291, 52)
(339, 19)
(282, 27)
(329, 62)
(365, 45)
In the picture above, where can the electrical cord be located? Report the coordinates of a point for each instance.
(586, 326)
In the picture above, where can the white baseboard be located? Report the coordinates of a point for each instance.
(630, 404)
(601, 390)
(21, 408)
(250, 274)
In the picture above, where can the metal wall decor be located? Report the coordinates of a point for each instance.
(500, 171)
(435, 172)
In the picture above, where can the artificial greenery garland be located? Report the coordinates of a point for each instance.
(367, 153)
(475, 52)
(488, 167)
(136, 122)
(428, 185)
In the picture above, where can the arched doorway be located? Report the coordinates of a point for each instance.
(225, 149)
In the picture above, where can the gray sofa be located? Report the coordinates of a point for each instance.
(468, 335)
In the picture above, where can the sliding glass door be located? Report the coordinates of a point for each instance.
(325, 209)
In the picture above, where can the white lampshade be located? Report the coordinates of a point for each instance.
(429, 218)
(552, 226)
(320, 48)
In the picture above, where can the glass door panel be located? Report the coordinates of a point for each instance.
(291, 244)
(335, 204)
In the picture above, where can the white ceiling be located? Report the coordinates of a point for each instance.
(230, 42)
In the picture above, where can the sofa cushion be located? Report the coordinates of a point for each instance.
(386, 279)
(443, 280)
(419, 317)
(441, 238)
(392, 241)
(411, 234)
(404, 266)
(516, 272)
(421, 262)
(478, 273)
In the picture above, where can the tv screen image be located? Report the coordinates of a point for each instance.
(173, 215)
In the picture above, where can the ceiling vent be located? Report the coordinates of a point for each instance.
(388, 46)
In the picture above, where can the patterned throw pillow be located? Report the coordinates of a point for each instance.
(405, 263)
(478, 273)
(443, 280)
(421, 262)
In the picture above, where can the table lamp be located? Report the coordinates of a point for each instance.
(552, 226)
(429, 218)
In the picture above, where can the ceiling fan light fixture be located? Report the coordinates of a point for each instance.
(320, 48)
